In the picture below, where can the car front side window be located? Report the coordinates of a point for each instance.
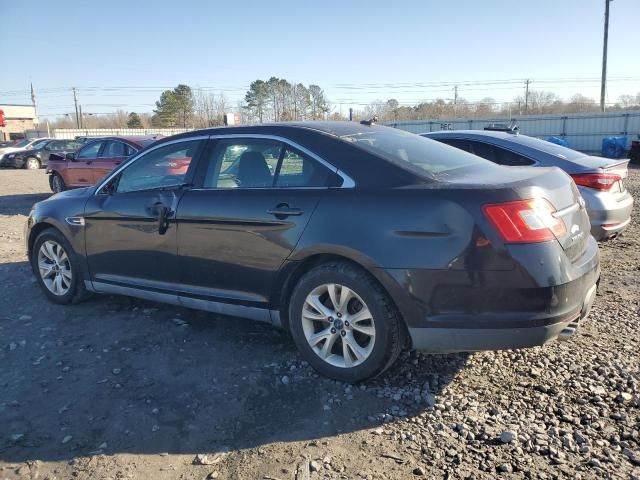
(90, 151)
(163, 167)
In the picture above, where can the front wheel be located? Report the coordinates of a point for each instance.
(57, 268)
(344, 323)
(56, 183)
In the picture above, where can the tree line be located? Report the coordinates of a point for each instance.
(277, 99)
(538, 102)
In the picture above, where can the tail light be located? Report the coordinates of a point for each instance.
(599, 181)
(525, 221)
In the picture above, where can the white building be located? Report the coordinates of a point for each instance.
(18, 119)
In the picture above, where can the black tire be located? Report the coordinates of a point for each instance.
(76, 291)
(56, 183)
(30, 163)
(386, 319)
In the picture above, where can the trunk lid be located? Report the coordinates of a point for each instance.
(550, 183)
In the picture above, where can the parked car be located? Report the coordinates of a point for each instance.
(362, 241)
(600, 180)
(23, 144)
(34, 158)
(93, 161)
(8, 143)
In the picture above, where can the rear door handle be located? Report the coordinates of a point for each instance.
(283, 210)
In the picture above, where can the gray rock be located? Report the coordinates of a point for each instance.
(507, 436)
(505, 468)
(285, 380)
(67, 439)
(419, 471)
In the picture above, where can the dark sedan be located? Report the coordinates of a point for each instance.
(38, 156)
(600, 180)
(360, 240)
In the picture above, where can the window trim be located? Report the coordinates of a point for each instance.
(139, 155)
(347, 181)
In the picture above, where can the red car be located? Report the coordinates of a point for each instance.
(93, 161)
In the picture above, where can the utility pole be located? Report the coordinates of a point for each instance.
(80, 125)
(526, 96)
(455, 101)
(603, 85)
(75, 102)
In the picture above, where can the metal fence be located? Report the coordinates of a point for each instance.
(583, 131)
(71, 133)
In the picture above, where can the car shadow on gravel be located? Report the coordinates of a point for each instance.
(119, 375)
(20, 204)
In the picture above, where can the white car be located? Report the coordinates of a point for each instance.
(23, 145)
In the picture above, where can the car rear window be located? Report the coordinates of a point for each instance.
(413, 151)
(548, 147)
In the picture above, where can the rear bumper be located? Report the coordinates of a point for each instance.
(609, 213)
(449, 311)
(525, 333)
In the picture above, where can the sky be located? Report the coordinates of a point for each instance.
(122, 54)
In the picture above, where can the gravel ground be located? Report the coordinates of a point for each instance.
(116, 388)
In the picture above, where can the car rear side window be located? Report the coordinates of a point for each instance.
(413, 152)
(499, 155)
(114, 149)
(456, 142)
(245, 163)
(298, 170)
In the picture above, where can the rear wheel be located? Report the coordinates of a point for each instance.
(344, 323)
(57, 183)
(57, 268)
(32, 163)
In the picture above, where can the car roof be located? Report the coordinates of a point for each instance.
(334, 128)
(476, 133)
(137, 140)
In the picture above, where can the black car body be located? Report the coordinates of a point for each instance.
(447, 251)
(34, 158)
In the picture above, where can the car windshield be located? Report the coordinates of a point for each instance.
(408, 149)
(548, 147)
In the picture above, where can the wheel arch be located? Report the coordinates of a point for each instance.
(294, 270)
(36, 230)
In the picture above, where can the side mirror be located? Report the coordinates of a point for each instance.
(71, 156)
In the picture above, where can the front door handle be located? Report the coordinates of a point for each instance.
(283, 210)
(163, 213)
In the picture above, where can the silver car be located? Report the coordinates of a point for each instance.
(600, 180)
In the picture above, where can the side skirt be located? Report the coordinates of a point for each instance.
(220, 308)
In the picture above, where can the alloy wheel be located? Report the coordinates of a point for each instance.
(338, 325)
(54, 267)
(32, 164)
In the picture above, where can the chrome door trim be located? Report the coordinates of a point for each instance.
(127, 163)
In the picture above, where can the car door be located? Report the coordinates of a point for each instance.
(112, 155)
(79, 171)
(252, 201)
(55, 146)
(130, 230)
